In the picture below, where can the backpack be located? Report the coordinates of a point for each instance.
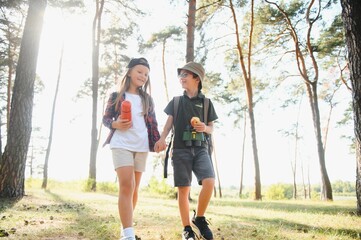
(208, 137)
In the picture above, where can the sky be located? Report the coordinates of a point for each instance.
(70, 152)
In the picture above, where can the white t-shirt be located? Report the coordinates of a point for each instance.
(134, 139)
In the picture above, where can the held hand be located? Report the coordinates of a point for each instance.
(122, 124)
(159, 146)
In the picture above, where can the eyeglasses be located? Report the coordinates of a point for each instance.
(183, 75)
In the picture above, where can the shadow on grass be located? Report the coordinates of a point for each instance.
(304, 228)
(6, 203)
(59, 218)
(89, 223)
(260, 227)
(309, 207)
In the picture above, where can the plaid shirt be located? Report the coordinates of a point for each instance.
(111, 114)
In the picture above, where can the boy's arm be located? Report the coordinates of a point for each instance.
(167, 127)
(202, 127)
(161, 145)
(209, 128)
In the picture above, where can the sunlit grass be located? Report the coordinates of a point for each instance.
(66, 211)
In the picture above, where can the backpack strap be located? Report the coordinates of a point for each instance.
(175, 112)
(175, 108)
(205, 110)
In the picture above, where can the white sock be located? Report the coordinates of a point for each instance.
(128, 232)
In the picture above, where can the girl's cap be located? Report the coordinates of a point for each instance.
(138, 61)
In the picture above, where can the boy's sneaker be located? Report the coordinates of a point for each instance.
(188, 233)
(201, 229)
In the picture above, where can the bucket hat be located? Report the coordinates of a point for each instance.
(194, 68)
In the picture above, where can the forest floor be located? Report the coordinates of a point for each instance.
(61, 213)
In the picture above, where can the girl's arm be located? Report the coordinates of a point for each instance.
(109, 113)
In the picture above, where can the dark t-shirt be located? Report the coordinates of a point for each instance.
(188, 108)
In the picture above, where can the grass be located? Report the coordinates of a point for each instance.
(66, 212)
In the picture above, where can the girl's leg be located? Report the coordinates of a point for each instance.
(183, 204)
(125, 198)
(138, 177)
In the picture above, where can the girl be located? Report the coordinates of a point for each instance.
(131, 140)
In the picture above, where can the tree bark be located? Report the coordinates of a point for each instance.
(12, 169)
(243, 151)
(216, 169)
(249, 94)
(326, 191)
(164, 70)
(311, 85)
(95, 86)
(48, 149)
(352, 23)
(190, 30)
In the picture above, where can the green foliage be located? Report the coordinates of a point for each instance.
(67, 5)
(332, 39)
(343, 187)
(270, 15)
(160, 187)
(88, 185)
(279, 192)
(11, 4)
(315, 195)
(107, 187)
(35, 183)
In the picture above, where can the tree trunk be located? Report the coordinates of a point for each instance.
(294, 164)
(46, 163)
(1, 147)
(216, 169)
(352, 24)
(164, 70)
(257, 175)
(9, 88)
(311, 86)
(12, 35)
(243, 148)
(190, 30)
(303, 182)
(12, 169)
(249, 95)
(326, 193)
(95, 85)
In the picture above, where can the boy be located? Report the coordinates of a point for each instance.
(190, 150)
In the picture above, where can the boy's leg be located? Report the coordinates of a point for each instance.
(200, 224)
(205, 195)
(183, 204)
(203, 169)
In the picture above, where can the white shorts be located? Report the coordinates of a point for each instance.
(123, 158)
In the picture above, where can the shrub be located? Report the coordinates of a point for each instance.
(107, 187)
(160, 187)
(279, 192)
